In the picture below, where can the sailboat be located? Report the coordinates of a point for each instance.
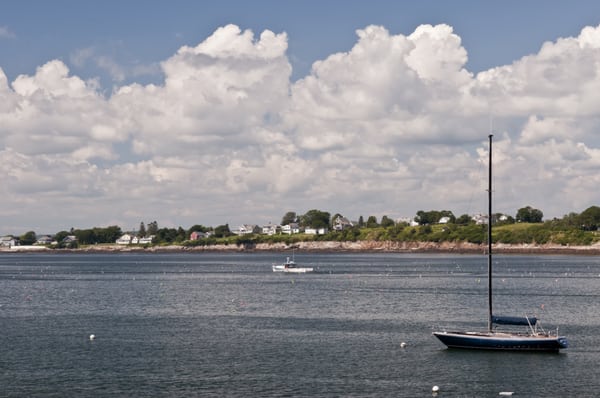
(531, 338)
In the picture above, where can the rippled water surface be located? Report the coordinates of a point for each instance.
(224, 325)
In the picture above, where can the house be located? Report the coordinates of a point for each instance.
(480, 219)
(291, 228)
(44, 240)
(270, 229)
(315, 231)
(124, 240)
(246, 229)
(70, 239)
(444, 220)
(340, 223)
(196, 235)
(8, 241)
(146, 240)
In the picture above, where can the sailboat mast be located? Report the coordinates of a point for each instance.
(489, 238)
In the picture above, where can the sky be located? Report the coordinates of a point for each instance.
(237, 112)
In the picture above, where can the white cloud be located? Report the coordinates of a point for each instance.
(220, 90)
(117, 72)
(394, 125)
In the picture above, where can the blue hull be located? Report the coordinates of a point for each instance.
(502, 341)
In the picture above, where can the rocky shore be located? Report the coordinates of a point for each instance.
(331, 246)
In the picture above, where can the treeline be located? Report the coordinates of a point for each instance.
(526, 227)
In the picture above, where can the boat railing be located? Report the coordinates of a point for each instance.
(533, 328)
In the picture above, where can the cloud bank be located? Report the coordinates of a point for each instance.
(394, 125)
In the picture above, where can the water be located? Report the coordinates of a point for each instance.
(224, 325)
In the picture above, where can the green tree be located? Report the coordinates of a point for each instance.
(387, 222)
(85, 236)
(372, 222)
(315, 219)
(529, 214)
(142, 230)
(60, 236)
(569, 220)
(28, 238)
(361, 222)
(198, 228)
(289, 218)
(427, 217)
(464, 219)
(152, 228)
(589, 219)
(222, 231)
(109, 234)
(166, 235)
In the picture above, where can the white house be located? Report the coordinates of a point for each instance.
(315, 231)
(291, 228)
(245, 229)
(269, 229)
(8, 241)
(145, 240)
(44, 240)
(480, 219)
(124, 240)
(340, 223)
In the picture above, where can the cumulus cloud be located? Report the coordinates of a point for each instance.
(107, 63)
(394, 125)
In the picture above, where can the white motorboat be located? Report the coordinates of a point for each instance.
(290, 266)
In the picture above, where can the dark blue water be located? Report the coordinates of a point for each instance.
(224, 325)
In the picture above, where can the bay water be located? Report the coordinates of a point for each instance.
(225, 325)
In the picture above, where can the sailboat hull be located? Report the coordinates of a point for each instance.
(502, 341)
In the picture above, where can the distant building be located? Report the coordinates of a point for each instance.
(315, 231)
(246, 229)
(124, 240)
(340, 223)
(69, 239)
(146, 240)
(291, 228)
(8, 241)
(480, 219)
(270, 229)
(44, 240)
(196, 235)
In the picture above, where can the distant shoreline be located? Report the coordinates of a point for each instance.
(329, 246)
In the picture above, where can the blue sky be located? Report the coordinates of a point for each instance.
(179, 112)
(146, 32)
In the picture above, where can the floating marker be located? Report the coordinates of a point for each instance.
(92, 336)
(403, 344)
(506, 393)
(435, 389)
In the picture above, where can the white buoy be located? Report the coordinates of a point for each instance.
(506, 393)
(435, 389)
(403, 344)
(92, 336)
